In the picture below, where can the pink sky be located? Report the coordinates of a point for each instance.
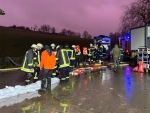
(95, 16)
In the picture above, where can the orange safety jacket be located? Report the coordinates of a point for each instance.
(85, 52)
(47, 61)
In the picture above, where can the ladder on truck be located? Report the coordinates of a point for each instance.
(144, 56)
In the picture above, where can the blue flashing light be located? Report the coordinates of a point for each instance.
(127, 37)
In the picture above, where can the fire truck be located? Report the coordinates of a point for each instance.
(125, 43)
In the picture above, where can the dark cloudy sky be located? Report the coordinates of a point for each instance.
(95, 16)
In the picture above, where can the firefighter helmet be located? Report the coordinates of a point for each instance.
(53, 45)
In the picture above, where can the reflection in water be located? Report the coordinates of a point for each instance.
(105, 76)
(33, 108)
(128, 82)
(36, 108)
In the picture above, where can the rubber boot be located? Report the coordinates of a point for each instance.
(35, 80)
(43, 85)
(49, 83)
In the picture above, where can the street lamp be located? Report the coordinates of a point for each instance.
(2, 12)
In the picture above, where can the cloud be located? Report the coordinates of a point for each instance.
(95, 16)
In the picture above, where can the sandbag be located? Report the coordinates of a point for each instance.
(32, 95)
(20, 89)
(53, 86)
(135, 69)
(55, 80)
(17, 99)
(6, 93)
(32, 87)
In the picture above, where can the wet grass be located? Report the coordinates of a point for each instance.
(15, 42)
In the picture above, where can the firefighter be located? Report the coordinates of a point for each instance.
(104, 53)
(121, 54)
(90, 59)
(36, 62)
(100, 54)
(77, 55)
(72, 59)
(63, 64)
(94, 54)
(85, 54)
(47, 64)
(116, 56)
(53, 48)
(27, 65)
(71, 55)
(132, 58)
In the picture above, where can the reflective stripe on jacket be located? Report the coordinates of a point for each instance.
(62, 58)
(71, 54)
(28, 62)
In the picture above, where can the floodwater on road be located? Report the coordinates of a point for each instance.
(101, 91)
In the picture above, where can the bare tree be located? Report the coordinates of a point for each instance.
(63, 31)
(89, 36)
(53, 30)
(85, 34)
(45, 28)
(136, 14)
(114, 38)
(35, 27)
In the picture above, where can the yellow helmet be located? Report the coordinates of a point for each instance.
(39, 45)
(53, 45)
(34, 46)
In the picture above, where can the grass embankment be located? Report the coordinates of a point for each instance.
(15, 42)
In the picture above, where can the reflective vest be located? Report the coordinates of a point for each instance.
(62, 58)
(77, 51)
(71, 54)
(85, 51)
(36, 59)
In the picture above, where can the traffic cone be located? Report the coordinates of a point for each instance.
(135, 69)
(141, 67)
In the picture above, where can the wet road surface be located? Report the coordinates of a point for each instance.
(101, 91)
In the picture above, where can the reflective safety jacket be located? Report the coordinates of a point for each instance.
(71, 53)
(62, 58)
(48, 60)
(104, 51)
(85, 51)
(90, 51)
(36, 60)
(100, 51)
(27, 64)
(94, 53)
(77, 51)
